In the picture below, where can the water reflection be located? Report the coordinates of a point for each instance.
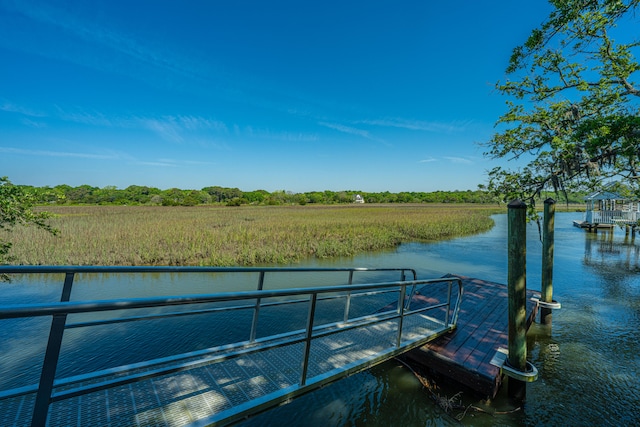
(606, 251)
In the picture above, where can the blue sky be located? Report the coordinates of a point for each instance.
(274, 95)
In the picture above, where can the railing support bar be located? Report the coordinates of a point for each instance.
(51, 356)
(413, 288)
(308, 336)
(256, 310)
(401, 297)
(446, 316)
(347, 305)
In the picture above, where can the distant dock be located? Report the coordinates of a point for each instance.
(590, 226)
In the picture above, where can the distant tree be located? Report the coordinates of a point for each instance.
(573, 116)
(315, 197)
(222, 194)
(84, 194)
(236, 201)
(256, 197)
(46, 195)
(172, 197)
(135, 194)
(16, 209)
(156, 199)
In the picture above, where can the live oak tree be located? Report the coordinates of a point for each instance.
(573, 103)
(16, 209)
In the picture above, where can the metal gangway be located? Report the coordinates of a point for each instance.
(313, 336)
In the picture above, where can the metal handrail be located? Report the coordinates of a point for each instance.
(60, 311)
(34, 269)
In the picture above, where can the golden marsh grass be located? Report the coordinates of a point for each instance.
(240, 236)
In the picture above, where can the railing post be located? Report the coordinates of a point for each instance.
(413, 288)
(51, 356)
(517, 294)
(307, 341)
(256, 310)
(547, 259)
(401, 297)
(446, 316)
(347, 305)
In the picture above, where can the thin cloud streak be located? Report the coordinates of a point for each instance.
(177, 129)
(166, 129)
(276, 136)
(86, 118)
(172, 163)
(158, 164)
(92, 32)
(33, 124)
(346, 129)
(10, 107)
(446, 127)
(460, 160)
(46, 153)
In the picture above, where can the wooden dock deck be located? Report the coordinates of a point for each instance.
(465, 354)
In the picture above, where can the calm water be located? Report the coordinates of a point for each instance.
(589, 366)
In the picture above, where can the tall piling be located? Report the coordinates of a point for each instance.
(548, 243)
(517, 294)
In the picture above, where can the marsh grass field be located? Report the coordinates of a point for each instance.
(236, 236)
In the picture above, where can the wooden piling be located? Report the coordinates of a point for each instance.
(547, 259)
(517, 294)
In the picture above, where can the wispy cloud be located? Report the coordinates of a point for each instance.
(461, 160)
(10, 107)
(166, 128)
(198, 123)
(34, 123)
(180, 129)
(47, 153)
(177, 129)
(276, 136)
(428, 160)
(92, 32)
(87, 118)
(347, 129)
(445, 127)
(173, 163)
(158, 164)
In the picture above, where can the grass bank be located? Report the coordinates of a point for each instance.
(241, 236)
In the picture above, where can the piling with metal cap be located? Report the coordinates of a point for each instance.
(517, 295)
(547, 259)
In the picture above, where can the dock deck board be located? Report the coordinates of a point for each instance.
(465, 354)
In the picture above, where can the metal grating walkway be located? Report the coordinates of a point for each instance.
(214, 392)
(227, 383)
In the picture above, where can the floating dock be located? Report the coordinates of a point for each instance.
(590, 226)
(465, 354)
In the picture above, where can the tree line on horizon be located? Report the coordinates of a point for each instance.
(143, 195)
